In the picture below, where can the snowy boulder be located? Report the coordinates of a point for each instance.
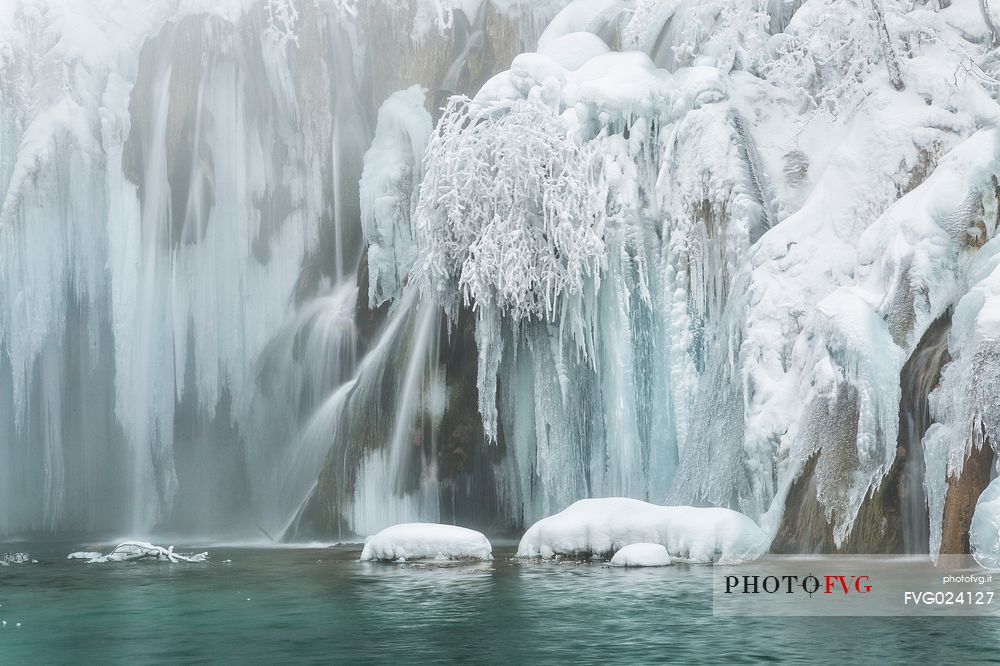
(600, 82)
(529, 70)
(701, 85)
(603, 526)
(415, 541)
(581, 16)
(572, 51)
(621, 85)
(641, 555)
(984, 533)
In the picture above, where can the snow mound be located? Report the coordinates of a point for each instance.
(133, 551)
(603, 526)
(572, 51)
(984, 533)
(85, 555)
(641, 555)
(415, 541)
(582, 16)
(594, 85)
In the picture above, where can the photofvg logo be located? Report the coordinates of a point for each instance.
(874, 585)
(788, 584)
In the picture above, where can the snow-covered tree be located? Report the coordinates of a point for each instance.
(509, 214)
(829, 50)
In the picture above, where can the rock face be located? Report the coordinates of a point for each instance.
(458, 60)
(893, 518)
(960, 505)
(877, 529)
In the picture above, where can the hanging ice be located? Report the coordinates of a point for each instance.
(683, 250)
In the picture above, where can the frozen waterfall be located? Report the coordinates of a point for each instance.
(314, 267)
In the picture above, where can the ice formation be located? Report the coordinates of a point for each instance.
(641, 555)
(984, 536)
(603, 526)
(262, 261)
(389, 186)
(180, 235)
(418, 541)
(84, 555)
(139, 551)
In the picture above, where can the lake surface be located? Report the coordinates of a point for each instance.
(308, 605)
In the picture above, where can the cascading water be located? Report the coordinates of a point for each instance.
(919, 378)
(181, 317)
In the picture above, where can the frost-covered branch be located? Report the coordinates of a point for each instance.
(509, 214)
(885, 45)
(281, 19)
(984, 9)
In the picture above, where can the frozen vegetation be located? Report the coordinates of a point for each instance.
(84, 555)
(641, 555)
(684, 250)
(138, 551)
(422, 541)
(601, 527)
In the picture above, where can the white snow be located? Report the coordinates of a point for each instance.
(603, 526)
(724, 218)
(984, 533)
(573, 50)
(641, 555)
(389, 185)
(133, 551)
(85, 555)
(416, 541)
(582, 16)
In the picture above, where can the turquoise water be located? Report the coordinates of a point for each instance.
(322, 605)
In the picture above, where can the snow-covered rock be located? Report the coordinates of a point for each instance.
(603, 526)
(582, 16)
(409, 541)
(641, 555)
(573, 50)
